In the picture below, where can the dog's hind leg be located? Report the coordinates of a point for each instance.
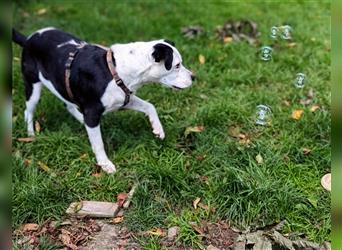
(33, 91)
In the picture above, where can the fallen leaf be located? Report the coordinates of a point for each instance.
(26, 139)
(97, 174)
(27, 162)
(195, 129)
(291, 45)
(44, 167)
(245, 141)
(121, 197)
(84, 156)
(201, 59)
(297, 114)
(259, 159)
(227, 39)
(195, 202)
(234, 131)
(157, 232)
(66, 239)
(30, 227)
(37, 126)
(326, 182)
(314, 108)
(306, 151)
(118, 220)
(41, 11)
(203, 206)
(242, 136)
(286, 103)
(200, 157)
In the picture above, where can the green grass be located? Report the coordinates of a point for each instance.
(235, 80)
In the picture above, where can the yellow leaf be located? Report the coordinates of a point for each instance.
(118, 220)
(291, 45)
(314, 108)
(227, 39)
(41, 11)
(259, 159)
(196, 201)
(37, 126)
(201, 59)
(297, 114)
(195, 129)
(157, 232)
(234, 132)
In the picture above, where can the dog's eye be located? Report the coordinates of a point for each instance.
(177, 66)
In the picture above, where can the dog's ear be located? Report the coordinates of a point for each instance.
(170, 42)
(164, 53)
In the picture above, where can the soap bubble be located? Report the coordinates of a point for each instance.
(263, 114)
(300, 80)
(266, 53)
(274, 32)
(286, 32)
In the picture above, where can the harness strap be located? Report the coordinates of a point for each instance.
(116, 77)
(111, 67)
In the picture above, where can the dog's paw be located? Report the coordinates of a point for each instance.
(107, 166)
(159, 133)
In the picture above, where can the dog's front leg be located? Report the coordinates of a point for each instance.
(92, 124)
(143, 106)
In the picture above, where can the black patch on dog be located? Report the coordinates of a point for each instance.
(163, 52)
(170, 42)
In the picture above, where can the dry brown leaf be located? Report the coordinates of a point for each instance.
(314, 108)
(121, 197)
(30, 227)
(97, 174)
(41, 11)
(203, 206)
(157, 232)
(242, 136)
(118, 220)
(37, 126)
(200, 157)
(195, 129)
(195, 202)
(27, 162)
(26, 139)
(66, 239)
(306, 151)
(201, 59)
(259, 159)
(297, 114)
(227, 39)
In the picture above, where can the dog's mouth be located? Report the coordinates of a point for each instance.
(175, 87)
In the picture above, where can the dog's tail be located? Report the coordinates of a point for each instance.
(18, 38)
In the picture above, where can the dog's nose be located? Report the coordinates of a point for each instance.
(193, 77)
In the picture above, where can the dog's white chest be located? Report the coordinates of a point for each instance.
(113, 97)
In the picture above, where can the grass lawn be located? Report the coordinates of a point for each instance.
(212, 164)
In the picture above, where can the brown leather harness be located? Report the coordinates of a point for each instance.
(111, 67)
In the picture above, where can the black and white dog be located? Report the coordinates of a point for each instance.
(95, 92)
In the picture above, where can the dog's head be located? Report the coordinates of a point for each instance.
(167, 67)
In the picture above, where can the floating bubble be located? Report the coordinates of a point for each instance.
(274, 32)
(263, 113)
(286, 32)
(300, 80)
(266, 53)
